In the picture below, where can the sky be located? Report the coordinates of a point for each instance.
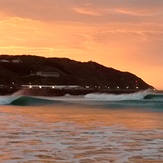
(123, 34)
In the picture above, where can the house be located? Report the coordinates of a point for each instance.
(16, 61)
(48, 74)
(4, 61)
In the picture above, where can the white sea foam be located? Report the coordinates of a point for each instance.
(4, 100)
(112, 97)
(78, 99)
(35, 135)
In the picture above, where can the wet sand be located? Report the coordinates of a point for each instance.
(50, 134)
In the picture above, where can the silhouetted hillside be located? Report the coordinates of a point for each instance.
(24, 70)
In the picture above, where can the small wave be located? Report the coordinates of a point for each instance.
(31, 101)
(121, 97)
(154, 97)
(7, 99)
(4, 100)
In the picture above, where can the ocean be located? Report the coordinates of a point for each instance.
(92, 128)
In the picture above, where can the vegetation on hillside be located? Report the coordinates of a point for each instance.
(23, 69)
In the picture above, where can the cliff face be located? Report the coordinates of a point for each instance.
(24, 70)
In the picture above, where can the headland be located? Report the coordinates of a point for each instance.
(60, 76)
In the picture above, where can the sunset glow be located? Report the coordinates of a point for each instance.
(123, 34)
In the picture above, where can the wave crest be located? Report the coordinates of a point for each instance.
(121, 97)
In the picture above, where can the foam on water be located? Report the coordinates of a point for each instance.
(35, 135)
(4, 100)
(80, 129)
(144, 99)
(121, 97)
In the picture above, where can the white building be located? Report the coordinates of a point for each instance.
(4, 61)
(48, 74)
(16, 61)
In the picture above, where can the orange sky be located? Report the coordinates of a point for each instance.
(123, 34)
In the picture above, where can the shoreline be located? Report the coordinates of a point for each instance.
(62, 91)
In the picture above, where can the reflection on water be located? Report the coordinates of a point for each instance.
(70, 135)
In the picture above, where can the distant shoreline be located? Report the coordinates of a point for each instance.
(62, 91)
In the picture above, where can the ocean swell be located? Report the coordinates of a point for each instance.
(144, 99)
(121, 97)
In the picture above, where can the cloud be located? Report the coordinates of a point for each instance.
(139, 4)
(38, 10)
(85, 11)
(136, 12)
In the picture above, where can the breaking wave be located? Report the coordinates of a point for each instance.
(24, 101)
(121, 97)
(145, 99)
(28, 101)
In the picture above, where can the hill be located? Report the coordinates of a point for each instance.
(27, 69)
